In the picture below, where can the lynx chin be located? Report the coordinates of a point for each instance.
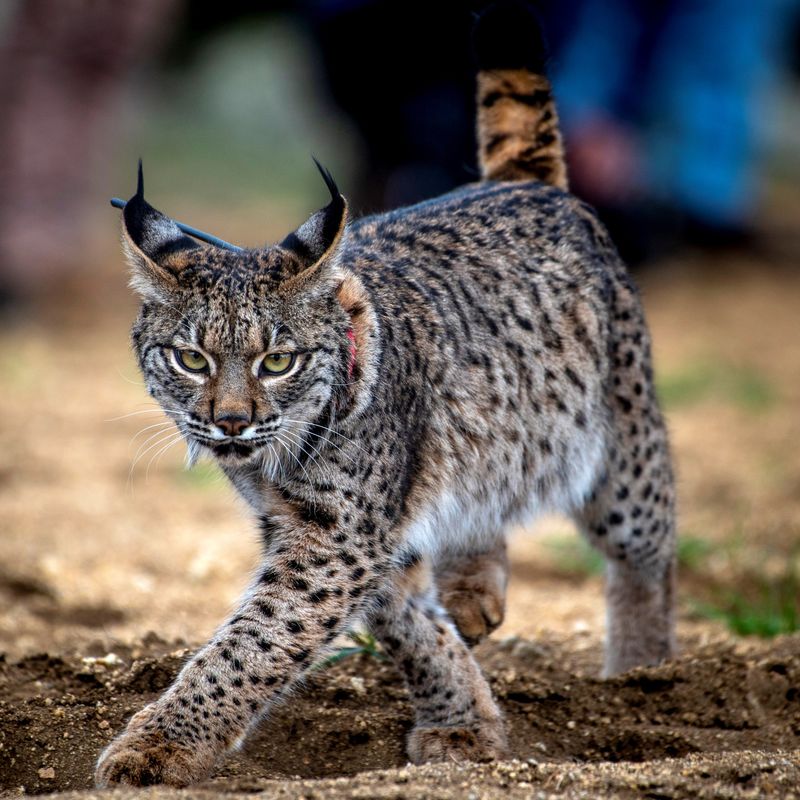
(390, 394)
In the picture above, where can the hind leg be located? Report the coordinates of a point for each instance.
(630, 518)
(472, 587)
(456, 718)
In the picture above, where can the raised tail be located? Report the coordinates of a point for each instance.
(518, 134)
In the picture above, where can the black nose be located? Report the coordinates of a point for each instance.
(232, 424)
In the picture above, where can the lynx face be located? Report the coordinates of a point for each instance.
(243, 350)
(239, 376)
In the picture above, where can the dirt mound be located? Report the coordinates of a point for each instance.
(725, 714)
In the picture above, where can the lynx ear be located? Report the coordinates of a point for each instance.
(315, 242)
(156, 248)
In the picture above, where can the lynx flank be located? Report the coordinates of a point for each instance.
(389, 395)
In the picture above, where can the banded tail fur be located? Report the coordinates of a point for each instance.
(518, 134)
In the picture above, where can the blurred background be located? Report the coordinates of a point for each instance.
(682, 122)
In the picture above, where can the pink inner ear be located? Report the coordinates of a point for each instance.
(352, 362)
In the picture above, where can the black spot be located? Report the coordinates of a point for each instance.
(624, 403)
(317, 516)
(269, 576)
(318, 596)
(265, 609)
(269, 528)
(300, 655)
(294, 626)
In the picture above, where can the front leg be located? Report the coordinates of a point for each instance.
(314, 580)
(456, 718)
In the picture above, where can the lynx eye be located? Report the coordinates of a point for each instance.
(192, 360)
(276, 363)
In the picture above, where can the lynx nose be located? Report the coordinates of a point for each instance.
(232, 424)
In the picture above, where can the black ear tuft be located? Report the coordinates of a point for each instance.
(328, 178)
(508, 35)
(318, 236)
(140, 182)
(154, 234)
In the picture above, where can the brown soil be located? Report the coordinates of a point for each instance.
(91, 563)
(566, 725)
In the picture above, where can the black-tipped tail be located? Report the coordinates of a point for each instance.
(518, 134)
(508, 35)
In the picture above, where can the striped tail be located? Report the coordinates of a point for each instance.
(518, 134)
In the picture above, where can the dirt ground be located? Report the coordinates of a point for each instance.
(109, 576)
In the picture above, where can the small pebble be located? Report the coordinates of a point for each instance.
(357, 683)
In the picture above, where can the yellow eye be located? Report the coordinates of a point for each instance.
(192, 360)
(277, 363)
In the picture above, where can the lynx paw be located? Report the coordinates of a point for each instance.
(141, 757)
(485, 743)
(473, 590)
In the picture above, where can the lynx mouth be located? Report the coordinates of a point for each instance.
(233, 449)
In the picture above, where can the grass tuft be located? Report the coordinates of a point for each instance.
(693, 551)
(765, 606)
(364, 643)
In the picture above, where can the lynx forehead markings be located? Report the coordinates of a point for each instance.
(456, 366)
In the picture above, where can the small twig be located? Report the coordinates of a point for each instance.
(194, 232)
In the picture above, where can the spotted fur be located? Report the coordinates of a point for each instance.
(461, 366)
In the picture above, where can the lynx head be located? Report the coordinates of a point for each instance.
(250, 351)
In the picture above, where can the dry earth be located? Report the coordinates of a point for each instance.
(94, 561)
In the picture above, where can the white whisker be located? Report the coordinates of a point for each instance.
(160, 453)
(164, 424)
(192, 453)
(157, 410)
(299, 439)
(148, 440)
(129, 380)
(165, 436)
(269, 469)
(300, 464)
(326, 428)
(329, 442)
